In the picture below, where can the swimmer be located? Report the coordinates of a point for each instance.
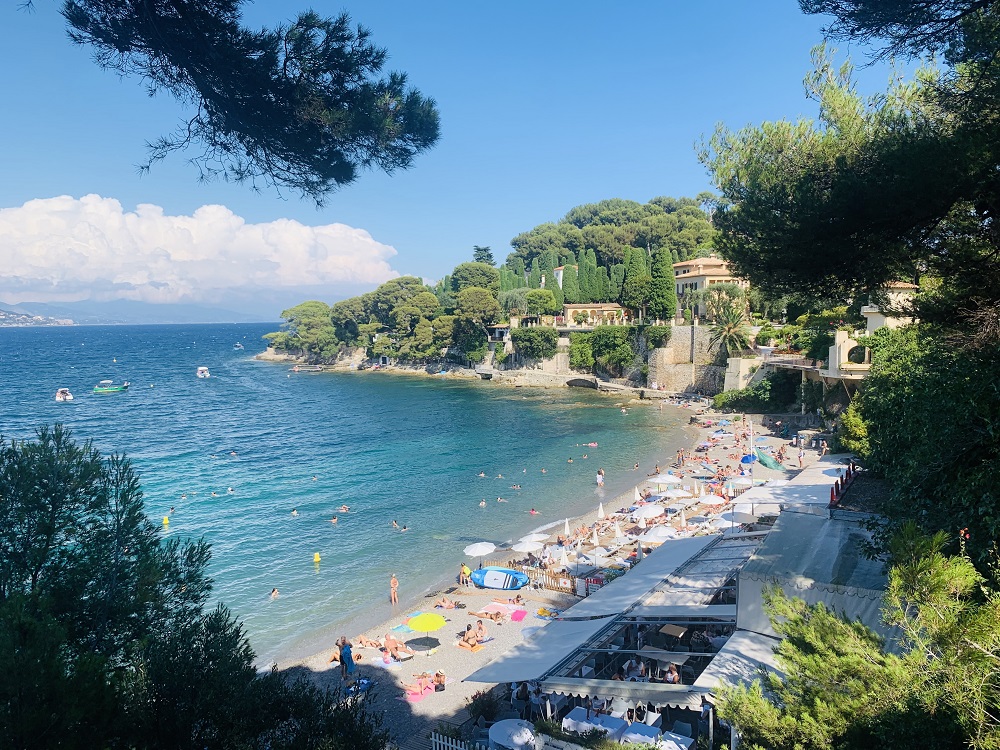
(481, 474)
(344, 509)
(315, 478)
(545, 471)
(499, 476)
(230, 490)
(184, 496)
(635, 468)
(533, 512)
(395, 525)
(215, 494)
(403, 529)
(171, 510)
(274, 593)
(232, 453)
(501, 500)
(212, 456)
(569, 460)
(482, 503)
(333, 520)
(524, 471)
(295, 511)
(515, 486)
(585, 455)
(624, 410)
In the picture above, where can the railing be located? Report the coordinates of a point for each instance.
(798, 363)
(440, 742)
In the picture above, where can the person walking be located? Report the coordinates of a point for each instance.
(802, 455)
(393, 589)
(600, 477)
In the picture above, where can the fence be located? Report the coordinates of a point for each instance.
(440, 742)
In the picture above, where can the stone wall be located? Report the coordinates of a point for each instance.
(685, 364)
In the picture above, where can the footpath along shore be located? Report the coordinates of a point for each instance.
(410, 721)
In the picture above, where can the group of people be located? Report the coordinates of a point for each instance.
(472, 637)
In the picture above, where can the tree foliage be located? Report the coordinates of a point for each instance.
(105, 640)
(840, 687)
(476, 274)
(581, 354)
(483, 254)
(300, 106)
(730, 332)
(612, 347)
(663, 287)
(535, 343)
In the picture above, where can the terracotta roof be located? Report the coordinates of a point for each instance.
(709, 261)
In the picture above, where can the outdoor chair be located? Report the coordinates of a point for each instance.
(684, 728)
(653, 719)
(481, 733)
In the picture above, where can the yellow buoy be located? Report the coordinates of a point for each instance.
(166, 520)
(316, 557)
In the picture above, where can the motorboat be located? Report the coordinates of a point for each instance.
(307, 368)
(499, 578)
(238, 347)
(108, 386)
(203, 372)
(63, 394)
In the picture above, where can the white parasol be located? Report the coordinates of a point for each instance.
(600, 510)
(658, 534)
(648, 511)
(618, 530)
(676, 492)
(527, 547)
(566, 527)
(595, 540)
(534, 538)
(642, 522)
(564, 559)
(480, 548)
(665, 479)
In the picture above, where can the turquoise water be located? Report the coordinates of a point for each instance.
(391, 447)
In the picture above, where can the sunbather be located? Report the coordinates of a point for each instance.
(469, 640)
(498, 617)
(366, 642)
(445, 603)
(394, 647)
(516, 600)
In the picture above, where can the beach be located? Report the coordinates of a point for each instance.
(410, 722)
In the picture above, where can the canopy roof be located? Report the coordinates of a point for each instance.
(625, 591)
(535, 657)
(817, 559)
(740, 661)
(657, 693)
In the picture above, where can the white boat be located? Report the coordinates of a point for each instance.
(237, 347)
(203, 372)
(63, 394)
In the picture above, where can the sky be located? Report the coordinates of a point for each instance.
(544, 106)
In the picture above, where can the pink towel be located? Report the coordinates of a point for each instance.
(417, 697)
(518, 615)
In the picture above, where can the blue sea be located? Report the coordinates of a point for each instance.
(255, 441)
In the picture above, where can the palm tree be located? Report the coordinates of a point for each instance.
(730, 331)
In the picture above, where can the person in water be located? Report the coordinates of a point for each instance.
(295, 511)
(482, 474)
(533, 512)
(344, 508)
(482, 503)
(274, 593)
(333, 520)
(394, 524)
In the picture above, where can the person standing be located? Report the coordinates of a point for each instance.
(802, 455)
(346, 658)
(393, 589)
(600, 477)
(463, 576)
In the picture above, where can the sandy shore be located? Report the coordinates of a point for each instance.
(410, 721)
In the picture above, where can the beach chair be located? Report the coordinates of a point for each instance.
(481, 733)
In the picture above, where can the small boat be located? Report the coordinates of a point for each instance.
(238, 347)
(203, 372)
(63, 394)
(108, 386)
(499, 578)
(307, 368)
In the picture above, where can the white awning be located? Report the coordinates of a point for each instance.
(657, 693)
(740, 661)
(629, 589)
(533, 658)
(701, 611)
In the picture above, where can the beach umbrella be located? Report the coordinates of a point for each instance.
(698, 519)
(426, 622)
(748, 459)
(638, 552)
(683, 520)
(618, 530)
(527, 547)
(534, 538)
(676, 492)
(480, 548)
(595, 540)
(566, 527)
(658, 534)
(648, 511)
(701, 490)
(715, 499)
(600, 510)
(642, 523)
(635, 494)
(743, 482)
(665, 479)
(564, 559)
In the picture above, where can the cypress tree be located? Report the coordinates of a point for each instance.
(663, 287)
(602, 286)
(535, 277)
(636, 286)
(617, 280)
(571, 284)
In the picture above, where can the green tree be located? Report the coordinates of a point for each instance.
(308, 330)
(475, 275)
(514, 302)
(581, 355)
(637, 284)
(541, 302)
(730, 332)
(570, 285)
(104, 636)
(392, 294)
(612, 347)
(479, 305)
(852, 433)
(300, 106)
(483, 254)
(663, 287)
(535, 343)
(719, 298)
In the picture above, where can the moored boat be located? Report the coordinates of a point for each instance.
(63, 394)
(499, 578)
(108, 386)
(307, 368)
(203, 372)
(237, 347)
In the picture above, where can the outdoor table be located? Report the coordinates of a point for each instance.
(677, 631)
(577, 721)
(664, 657)
(639, 733)
(674, 741)
(512, 734)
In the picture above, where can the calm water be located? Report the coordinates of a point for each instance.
(390, 447)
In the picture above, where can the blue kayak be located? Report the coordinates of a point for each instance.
(499, 578)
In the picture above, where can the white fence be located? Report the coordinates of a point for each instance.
(440, 742)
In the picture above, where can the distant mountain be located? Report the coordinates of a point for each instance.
(127, 311)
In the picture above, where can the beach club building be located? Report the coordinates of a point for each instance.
(696, 604)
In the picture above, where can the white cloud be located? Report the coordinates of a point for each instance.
(66, 250)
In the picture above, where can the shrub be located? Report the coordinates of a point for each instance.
(773, 393)
(535, 343)
(581, 356)
(483, 703)
(852, 435)
(767, 334)
(612, 347)
(657, 336)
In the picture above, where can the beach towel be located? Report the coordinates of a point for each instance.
(518, 615)
(496, 607)
(403, 627)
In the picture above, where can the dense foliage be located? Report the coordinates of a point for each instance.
(841, 689)
(535, 343)
(299, 106)
(775, 392)
(105, 639)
